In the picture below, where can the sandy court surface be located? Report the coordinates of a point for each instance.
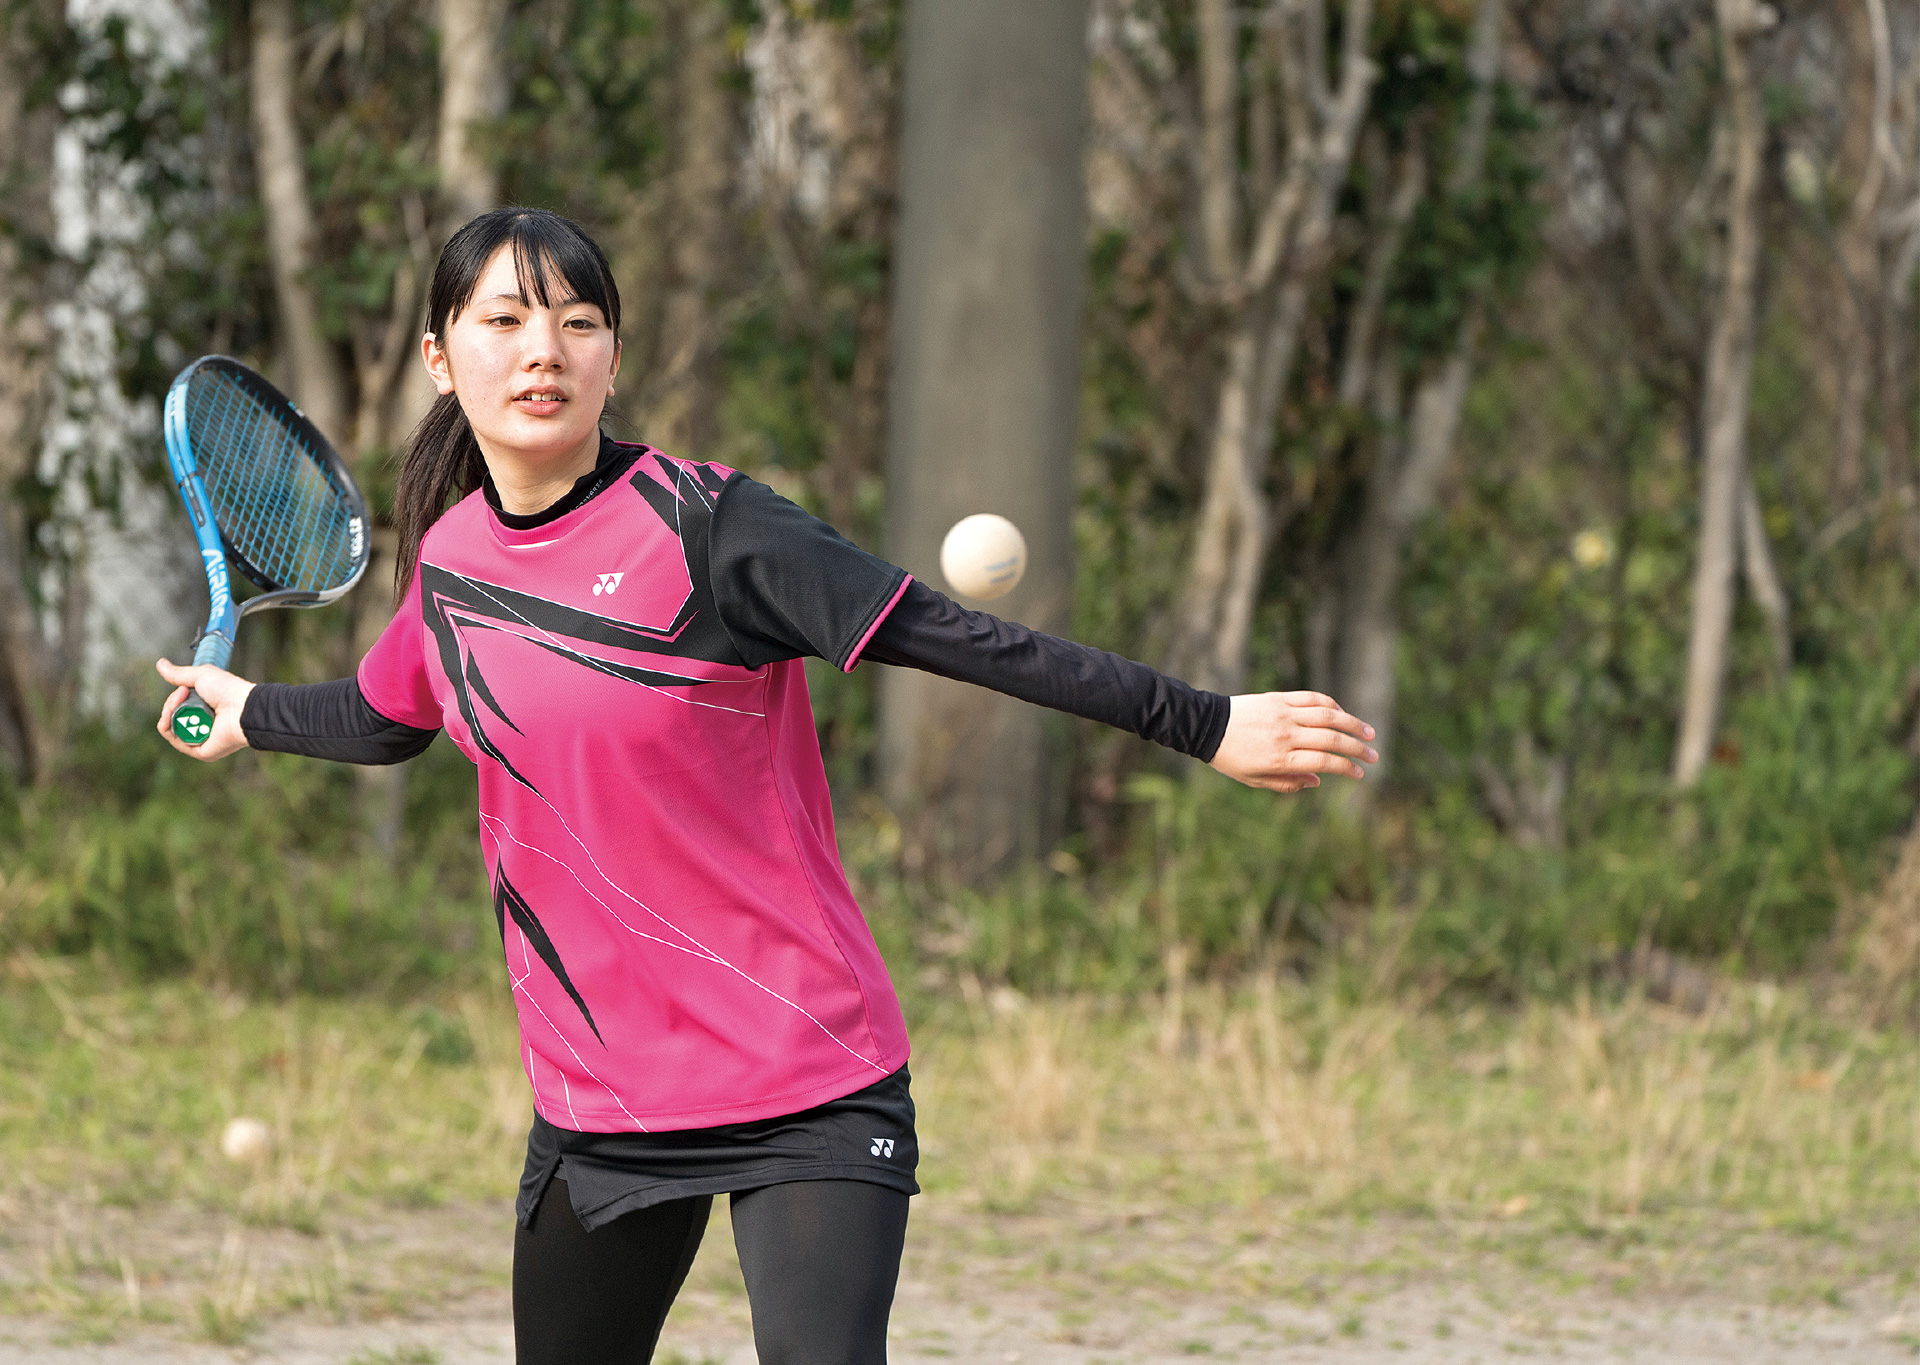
(1028, 1333)
(1061, 1288)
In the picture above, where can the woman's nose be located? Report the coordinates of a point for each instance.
(541, 344)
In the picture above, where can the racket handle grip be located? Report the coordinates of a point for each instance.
(213, 648)
(193, 720)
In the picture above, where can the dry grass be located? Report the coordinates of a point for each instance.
(1760, 1107)
(1575, 1120)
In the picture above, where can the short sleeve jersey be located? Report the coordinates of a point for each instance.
(683, 946)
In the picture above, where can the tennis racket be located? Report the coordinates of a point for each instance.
(265, 492)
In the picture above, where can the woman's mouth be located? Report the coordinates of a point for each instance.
(540, 402)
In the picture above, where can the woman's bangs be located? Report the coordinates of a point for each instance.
(553, 265)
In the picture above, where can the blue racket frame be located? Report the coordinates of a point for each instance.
(214, 645)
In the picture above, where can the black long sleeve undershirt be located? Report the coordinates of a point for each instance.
(929, 631)
(925, 630)
(327, 720)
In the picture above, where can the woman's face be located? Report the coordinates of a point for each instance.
(531, 380)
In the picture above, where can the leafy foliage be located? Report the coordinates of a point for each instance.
(1530, 838)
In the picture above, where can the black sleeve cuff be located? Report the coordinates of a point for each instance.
(929, 631)
(327, 720)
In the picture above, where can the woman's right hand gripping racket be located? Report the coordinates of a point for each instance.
(264, 490)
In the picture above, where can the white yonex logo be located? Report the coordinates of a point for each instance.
(882, 1147)
(608, 582)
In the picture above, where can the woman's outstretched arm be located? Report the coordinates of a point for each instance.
(1281, 741)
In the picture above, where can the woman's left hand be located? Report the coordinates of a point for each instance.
(1283, 741)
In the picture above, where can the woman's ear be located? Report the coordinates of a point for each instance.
(435, 360)
(615, 370)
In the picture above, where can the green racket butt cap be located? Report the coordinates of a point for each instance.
(193, 723)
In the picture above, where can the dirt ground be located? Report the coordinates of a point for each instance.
(1060, 1285)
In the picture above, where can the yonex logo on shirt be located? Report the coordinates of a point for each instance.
(882, 1147)
(608, 582)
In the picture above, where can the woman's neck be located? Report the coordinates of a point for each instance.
(527, 486)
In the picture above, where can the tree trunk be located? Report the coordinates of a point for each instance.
(985, 394)
(473, 93)
(1401, 491)
(394, 389)
(1729, 373)
(1232, 517)
(309, 363)
(35, 679)
(1855, 300)
(700, 240)
(1285, 263)
(1404, 482)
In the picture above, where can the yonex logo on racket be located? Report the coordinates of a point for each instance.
(608, 582)
(882, 1147)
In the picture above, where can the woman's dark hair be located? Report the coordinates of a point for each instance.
(442, 462)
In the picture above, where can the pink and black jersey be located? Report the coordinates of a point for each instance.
(624, 670)
(654, 816)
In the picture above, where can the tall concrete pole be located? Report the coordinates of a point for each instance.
(987, 286)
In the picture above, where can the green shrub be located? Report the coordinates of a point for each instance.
(252, 873)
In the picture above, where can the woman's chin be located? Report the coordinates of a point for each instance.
(539, 439)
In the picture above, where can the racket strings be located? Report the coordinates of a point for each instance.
(278, 505)
(275, 509)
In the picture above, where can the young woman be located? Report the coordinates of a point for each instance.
(614, 637)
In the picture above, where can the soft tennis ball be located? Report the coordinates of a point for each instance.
(246, 1140)
(983, 556)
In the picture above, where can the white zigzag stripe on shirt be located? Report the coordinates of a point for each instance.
(703, 951)
(519, 985)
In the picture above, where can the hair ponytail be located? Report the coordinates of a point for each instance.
(443, 463)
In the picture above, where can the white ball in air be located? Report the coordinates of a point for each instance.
(983, 556)
(246, 1140)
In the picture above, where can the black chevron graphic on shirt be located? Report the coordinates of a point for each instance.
(508, 901)
(485, 693)
(452, 603)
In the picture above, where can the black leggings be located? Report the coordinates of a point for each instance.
(820, 1259)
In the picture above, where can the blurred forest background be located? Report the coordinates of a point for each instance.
(1539, 377)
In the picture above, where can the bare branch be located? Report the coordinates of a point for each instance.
(1313, 58)
(1409, 184)
(1276, 225)
(1260, 122)
(1483, 64)
(1437, 407)
(1885, 158)
(1729, 373)
(1763, 577)
(1219, 129)
(312, 369)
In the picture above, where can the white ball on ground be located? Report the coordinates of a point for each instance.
(983, 556)
(246, 1140)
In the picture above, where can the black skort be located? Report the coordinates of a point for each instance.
(866, 1136)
